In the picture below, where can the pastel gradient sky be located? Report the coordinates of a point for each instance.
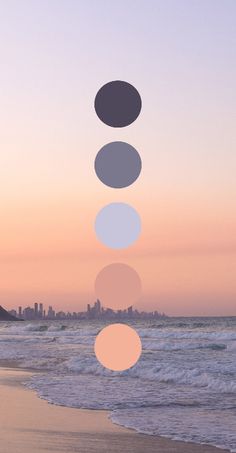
(181, 56)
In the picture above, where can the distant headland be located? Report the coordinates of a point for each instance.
(6, 316)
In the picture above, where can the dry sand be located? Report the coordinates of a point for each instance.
(31, 425)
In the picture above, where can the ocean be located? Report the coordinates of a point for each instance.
(183, 387)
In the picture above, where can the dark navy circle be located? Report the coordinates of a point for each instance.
(118, 103)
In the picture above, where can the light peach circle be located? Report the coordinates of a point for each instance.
(118, 347)
(118, 286)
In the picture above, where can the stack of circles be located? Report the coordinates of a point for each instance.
(118, 225)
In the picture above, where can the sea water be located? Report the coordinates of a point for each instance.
(183, 387)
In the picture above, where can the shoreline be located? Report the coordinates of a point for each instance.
(29, 424)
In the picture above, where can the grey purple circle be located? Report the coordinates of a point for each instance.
(118, 225)
(118, 164)
(118, 103)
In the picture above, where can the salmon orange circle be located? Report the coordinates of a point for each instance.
(118, 347)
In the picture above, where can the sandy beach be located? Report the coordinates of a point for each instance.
(31, 425)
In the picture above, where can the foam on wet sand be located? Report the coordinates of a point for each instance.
(31, 425)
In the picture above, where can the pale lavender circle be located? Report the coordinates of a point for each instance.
(118, 225)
